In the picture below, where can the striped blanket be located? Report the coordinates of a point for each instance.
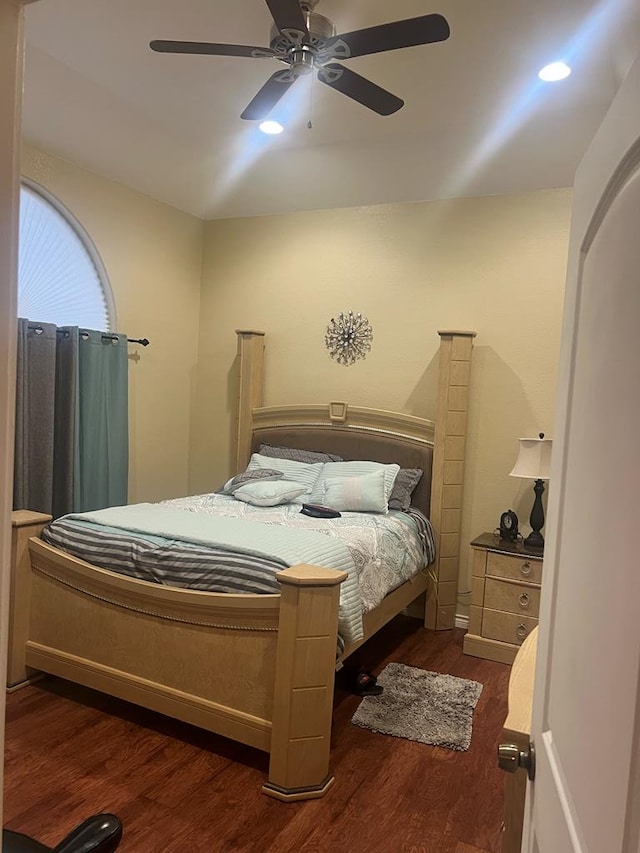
(202, 543)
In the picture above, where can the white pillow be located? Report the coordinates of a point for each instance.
(298, 472)
(353, 469)
(356, 494)
(269, 492)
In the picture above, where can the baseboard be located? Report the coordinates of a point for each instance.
(416, 609)
(32, 679)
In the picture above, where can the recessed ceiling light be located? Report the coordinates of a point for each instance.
(554, 71)
(271, 127)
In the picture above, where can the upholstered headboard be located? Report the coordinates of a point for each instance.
(351, 442)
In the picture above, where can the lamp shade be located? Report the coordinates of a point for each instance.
(534, 459)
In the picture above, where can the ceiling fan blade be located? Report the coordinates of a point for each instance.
(200, 47)
(276, 86)
(359, 88)
(423, 30)
(289, 19)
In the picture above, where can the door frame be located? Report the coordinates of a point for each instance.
(11, 79)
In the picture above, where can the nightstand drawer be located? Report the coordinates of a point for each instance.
(515, 567)
(511, 597)
(506, 627)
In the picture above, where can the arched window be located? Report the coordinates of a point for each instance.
(61, 278)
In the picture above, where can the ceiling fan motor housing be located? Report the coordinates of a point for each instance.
(321, 29)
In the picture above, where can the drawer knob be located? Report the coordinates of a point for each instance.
(523, 600)
(521, 631)
(526, 568)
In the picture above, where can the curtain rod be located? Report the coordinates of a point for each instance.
(142, 341)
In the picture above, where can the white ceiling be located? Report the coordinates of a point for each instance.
(476, 120)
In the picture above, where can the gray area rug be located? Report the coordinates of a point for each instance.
(421, 705)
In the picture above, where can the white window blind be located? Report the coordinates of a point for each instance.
(61, 279)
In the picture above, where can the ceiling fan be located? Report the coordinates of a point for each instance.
(306, 41)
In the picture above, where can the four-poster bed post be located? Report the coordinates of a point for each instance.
(447, 476)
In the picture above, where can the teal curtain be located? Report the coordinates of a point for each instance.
(100, 477)
(72, 446)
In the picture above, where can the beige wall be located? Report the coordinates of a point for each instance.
(153, 255)
(495, 265)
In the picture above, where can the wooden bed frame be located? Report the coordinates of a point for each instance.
(255, 668)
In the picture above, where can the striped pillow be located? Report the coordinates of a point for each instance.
(298, 472)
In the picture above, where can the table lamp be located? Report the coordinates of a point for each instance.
(534, 463)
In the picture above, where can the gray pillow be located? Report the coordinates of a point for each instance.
(403, 487)
(249, 477)
(296, 455)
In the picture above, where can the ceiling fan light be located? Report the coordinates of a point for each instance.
(554, 71)
(271, 127)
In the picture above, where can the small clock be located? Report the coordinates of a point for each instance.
(508, 526)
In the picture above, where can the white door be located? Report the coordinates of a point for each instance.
(586, 716)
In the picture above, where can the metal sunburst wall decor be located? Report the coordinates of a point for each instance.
(348, 337)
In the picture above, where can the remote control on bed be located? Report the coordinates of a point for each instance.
(318, 511)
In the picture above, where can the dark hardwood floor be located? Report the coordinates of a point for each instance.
(71, 752)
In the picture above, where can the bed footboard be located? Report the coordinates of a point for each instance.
(258, 669)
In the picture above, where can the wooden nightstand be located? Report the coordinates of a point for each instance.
(505, 597)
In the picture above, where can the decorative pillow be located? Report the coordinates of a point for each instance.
(356, 494)
(353, 469)
(404, 486)
(249, 477)
(269, 492)
(307, 456)
(299, 472)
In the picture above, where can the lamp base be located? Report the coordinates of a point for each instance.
(534, 540)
